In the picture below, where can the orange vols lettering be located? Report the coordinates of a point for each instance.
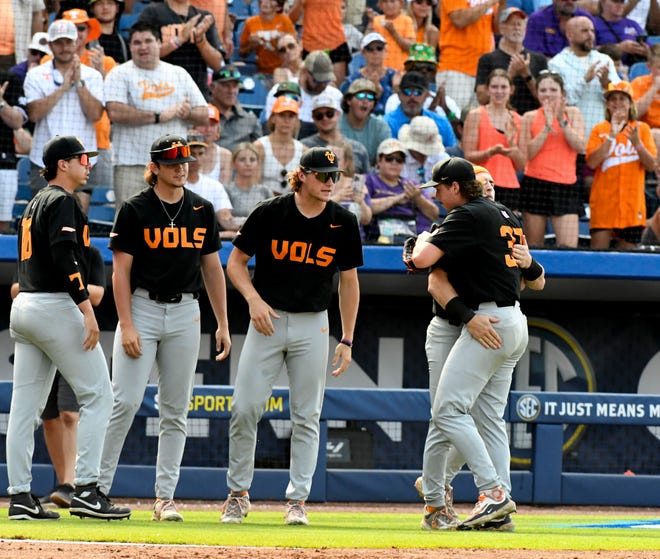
(302, 252)
(151, 90)
(174, 237)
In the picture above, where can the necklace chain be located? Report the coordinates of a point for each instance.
(166, 212)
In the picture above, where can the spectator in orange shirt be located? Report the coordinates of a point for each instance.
(620, 150)
(260, 35)
(396, 27)
(646, 90)
(466, 32)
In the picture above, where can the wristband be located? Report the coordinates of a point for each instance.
(457, 310)
(174, 41)
(533, 272)
(346, 342)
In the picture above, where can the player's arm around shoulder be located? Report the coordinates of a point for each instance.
(349, 301)
(216, 289)
(425, 254)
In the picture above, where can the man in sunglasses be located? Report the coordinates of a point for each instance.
(165, 244)
(413, 91)
(299, 240)
(326, 112)
(53, 324)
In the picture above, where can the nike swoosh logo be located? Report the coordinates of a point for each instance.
(95, 506)
(334, 226)
(35, 510)
(197, 207)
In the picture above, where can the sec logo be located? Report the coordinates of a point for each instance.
(528, 407)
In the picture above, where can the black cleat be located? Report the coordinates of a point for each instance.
(89, 502)
(24, 506)
(62, 495)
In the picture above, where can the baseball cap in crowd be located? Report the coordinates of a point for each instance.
(372, 38)
(454, 169)
(288, 88)
(214, 113)
(170, 150)
(285, 104)
(421, 135)
(413, 80)
(419, 52)
(390, 146)
(195, 138)
(226, 74)
(64, 147)
(362, 84)
(62, 29)
(620, 87)
(120, 6)
(508, 12)
(323, 101)
(39, 42)
(319, 65)
(80, 17)
(321, 159)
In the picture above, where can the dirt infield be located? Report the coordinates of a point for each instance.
(14, 549)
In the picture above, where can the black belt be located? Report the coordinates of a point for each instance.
(169, 297)
(506, 303)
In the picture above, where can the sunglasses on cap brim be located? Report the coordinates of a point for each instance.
(173, 152)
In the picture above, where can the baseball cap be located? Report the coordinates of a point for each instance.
(170, 150)
(287, 87)
(226, 74)
(194, 138)
(40, 42)
(508, 12)
(80, 16)
(320, 159)
(326, 102)
(419, 52)
(64, 147)
(319, 65)
(413, 79)
(62, 29)
(421, 135)
(389, 146)
(283, 104)
(454, 169)
(362, 84)
(621, 87)
(372, 38)
(214, 113)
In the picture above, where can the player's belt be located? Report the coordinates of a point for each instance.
(165, 297)
(491, 304)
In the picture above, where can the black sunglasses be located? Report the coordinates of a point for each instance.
(394, 158)
(320, 115)
(375, 48)
(82, 27)
(35, 52)
(361, 95)
(289, 46)
(323, 176)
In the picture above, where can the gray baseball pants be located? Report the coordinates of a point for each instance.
(300, 342)
(49, 331)
(170, 334)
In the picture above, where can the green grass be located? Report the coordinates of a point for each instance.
(337, 530)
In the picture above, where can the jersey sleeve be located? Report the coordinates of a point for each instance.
(456, 232)
(212, 242)
(247, 237)
(124, 231)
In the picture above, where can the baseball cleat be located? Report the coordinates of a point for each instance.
(492, 505)
(90, 502)
(295, 514)
(438, 518)
(502, 525)
(165, 509)
(236, 507)
(62, 495)
(25, 506)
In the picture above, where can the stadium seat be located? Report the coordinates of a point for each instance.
(637, 69)
(126, 21)
(23, 168)
(252, 94)
(102, 195)
(243, 9)
(100, 218)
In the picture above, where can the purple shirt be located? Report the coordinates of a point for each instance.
(617, 31)
(543, 34)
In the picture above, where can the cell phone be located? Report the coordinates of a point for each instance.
(358, 184)
(642, 39)
(93, 44)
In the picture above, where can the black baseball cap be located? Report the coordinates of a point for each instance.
(454, 169)
(320, 159)
(171, 150)
(413, 79)
(64, 147)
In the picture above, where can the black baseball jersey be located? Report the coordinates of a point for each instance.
(54, 245)
(296, 257)
(478, 237)
(166, 259)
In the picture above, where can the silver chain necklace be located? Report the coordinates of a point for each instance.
(166, 212)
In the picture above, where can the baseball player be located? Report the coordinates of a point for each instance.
(299, 240)
(479, 239)
(165, 244)
(53, 325)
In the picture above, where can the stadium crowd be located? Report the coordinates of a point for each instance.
(536, 92)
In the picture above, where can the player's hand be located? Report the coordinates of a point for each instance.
(91, 330)
(343, 356)
(131, 341)
(222, 344)
(481, 329)
(261, 314)
(521, 254)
